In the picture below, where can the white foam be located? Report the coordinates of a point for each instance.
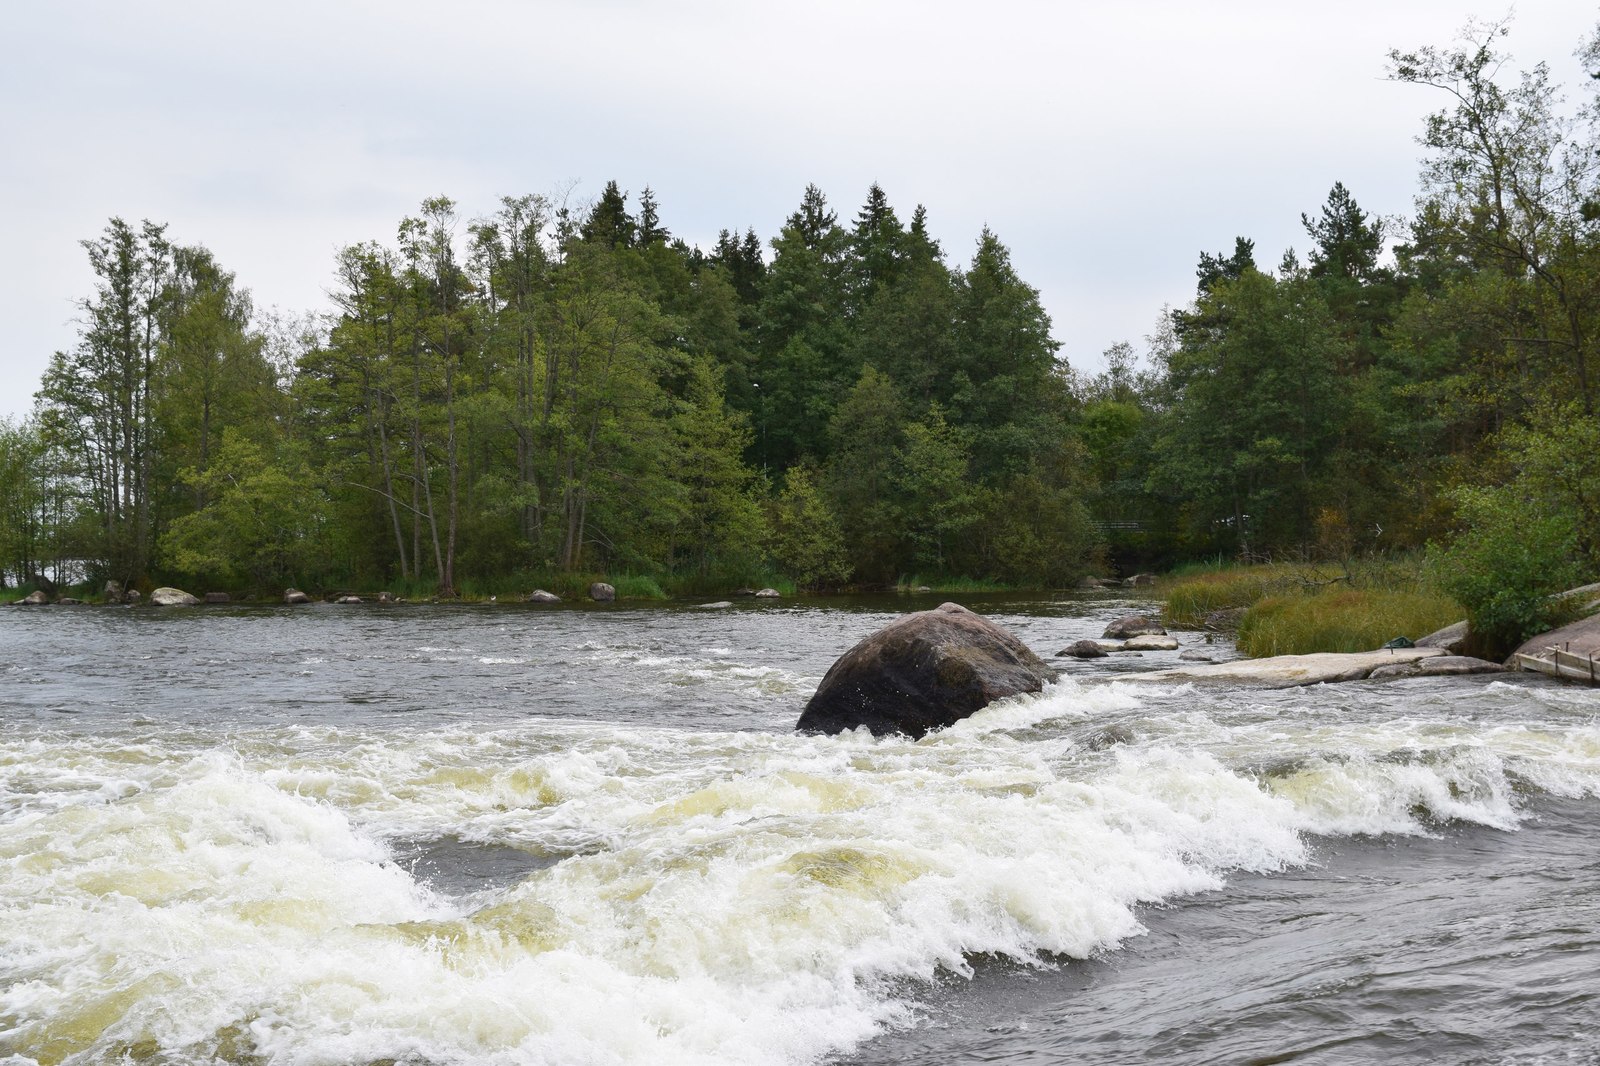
(726, 897)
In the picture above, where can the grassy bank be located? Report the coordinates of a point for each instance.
(1299, 608)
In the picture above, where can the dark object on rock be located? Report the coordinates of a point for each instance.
(541, 596)
(218, 597)
(1133, 625)
(36, 598)
(768, 594)
(166, 596)
(600, 592)
(925, 671)
(1437, 666)
(295, 596)
(1399, 642)
(1084, 649)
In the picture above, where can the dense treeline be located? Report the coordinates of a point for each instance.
(542, 391)
(545, 390)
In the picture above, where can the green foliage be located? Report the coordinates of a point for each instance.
(1346, 620)
(1505, 566)
(806, 540)
(259, 525)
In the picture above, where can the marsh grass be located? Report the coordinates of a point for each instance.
(1294, 608)
(1344, 620)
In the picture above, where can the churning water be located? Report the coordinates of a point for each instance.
(442, 835)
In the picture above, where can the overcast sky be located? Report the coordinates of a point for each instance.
(1107, 145)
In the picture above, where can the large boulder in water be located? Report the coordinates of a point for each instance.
(925, 671)
(166, 596)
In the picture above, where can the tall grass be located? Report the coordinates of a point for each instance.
(1345, 620)
(1294, 608)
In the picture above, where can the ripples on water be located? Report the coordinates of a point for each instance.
(461, 835)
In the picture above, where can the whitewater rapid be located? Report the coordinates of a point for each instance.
(250, 891)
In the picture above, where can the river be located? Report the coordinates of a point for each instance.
(582, 834)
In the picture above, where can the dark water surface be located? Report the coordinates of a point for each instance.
(588, 835)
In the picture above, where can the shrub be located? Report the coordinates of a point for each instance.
(1505, 567)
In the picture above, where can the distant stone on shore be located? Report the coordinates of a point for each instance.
(541, 596)
(924, 671)
(36, 598)
(131, 597)
(1133, 625)
(768, 594)
(167, 596)
(600, 592)
(1083, 649)
(113, 592)
(386, 597)
(68, 601)
(348, 599)
(295, 596)
(1140, 581)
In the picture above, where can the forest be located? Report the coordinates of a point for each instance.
(554, 391)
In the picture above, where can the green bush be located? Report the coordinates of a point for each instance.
(1506, 566)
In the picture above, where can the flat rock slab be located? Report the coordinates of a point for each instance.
(1291, 671)
(1437, 666)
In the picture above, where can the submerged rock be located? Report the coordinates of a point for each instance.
(924, 671)
(600, 592)
(1133, 625)
(1084, 649)
(171, 597)
(717, 606)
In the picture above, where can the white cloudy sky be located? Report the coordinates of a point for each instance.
(1107, 144)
